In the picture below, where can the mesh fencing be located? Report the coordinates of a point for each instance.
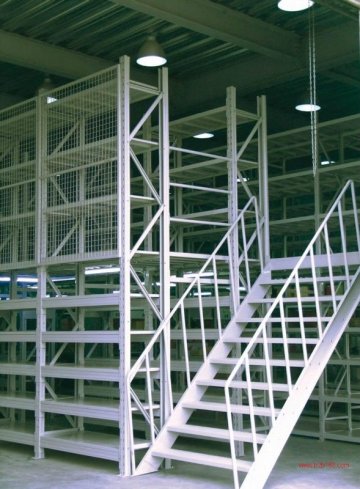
(17, 183)
(80, 170)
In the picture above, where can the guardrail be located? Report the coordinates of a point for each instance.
(340, 221)
(216, 279)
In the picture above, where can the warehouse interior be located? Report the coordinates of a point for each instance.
(179, 246)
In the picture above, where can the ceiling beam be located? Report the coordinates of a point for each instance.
(257, 73)
(38, 55)
(342, 78)
(55, 60)
(342, 7)
(221, 23)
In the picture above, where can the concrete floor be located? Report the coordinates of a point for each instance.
(62, 471)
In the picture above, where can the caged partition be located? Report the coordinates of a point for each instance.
(108, 211)
(80, 174)
(67, 203)
(18, 172)
(18, 185)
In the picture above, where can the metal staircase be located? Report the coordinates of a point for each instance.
(259, 375)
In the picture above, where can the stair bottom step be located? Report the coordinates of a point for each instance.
(218, 434)
(202, 459)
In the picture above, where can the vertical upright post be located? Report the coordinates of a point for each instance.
(149, 243)
(123, 242)
(263, 177)
(40, 254)
(264, 204)
(147, 192)
(179, 201)
(82, 184)
(233, 195)
(40, 362)
(12, 346)
(80, 348)
(317, 222)
(285, 237)
(341, 149)
(317, 203)
(166, 391)
(233, 241)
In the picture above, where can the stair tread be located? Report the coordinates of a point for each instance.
(221, 408)
(306, 319)
(270, 300)
(302, 280)
(202, 459)
(277, 362)
(290, 341)
(243, 384)
(142, 445)
(208, 432)
(274, 362)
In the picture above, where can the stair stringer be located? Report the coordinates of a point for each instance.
(300, 394)
(180, 415)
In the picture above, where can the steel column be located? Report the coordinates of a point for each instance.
(263, 176)
(166, 394)
(233, 195)
(123, 213)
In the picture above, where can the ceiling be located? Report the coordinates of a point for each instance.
(209, 45)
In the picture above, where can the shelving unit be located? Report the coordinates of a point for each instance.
(298, 199)
(107, 217)
(100, 206)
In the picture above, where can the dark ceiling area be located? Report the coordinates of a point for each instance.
(209, 45)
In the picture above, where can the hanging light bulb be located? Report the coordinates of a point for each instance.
(306, 105)
(295, 5)
(203, 135)
(151, 53)
(46, 86)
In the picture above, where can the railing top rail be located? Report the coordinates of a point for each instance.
(165, 321)
(349, 184)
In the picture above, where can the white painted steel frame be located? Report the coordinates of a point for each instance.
(123, 88)
(251, 208)
(258, 476)
(122, 256)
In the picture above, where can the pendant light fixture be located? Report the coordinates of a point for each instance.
(295, 5)
(47, 86)
(306, 105)
(203, 135)
(309, 101)
(151, 54)
(310, 104)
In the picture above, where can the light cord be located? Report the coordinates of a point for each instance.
(312, 85)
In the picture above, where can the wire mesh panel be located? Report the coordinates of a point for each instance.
(17, 184)
(80, 189)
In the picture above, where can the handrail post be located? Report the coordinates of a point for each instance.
(263, 177)
(233, 194)
(166, 403)
(158, 336)
(356, 217)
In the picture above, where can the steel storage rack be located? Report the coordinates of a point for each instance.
(17, 257)
(138, 291)
(102, 199)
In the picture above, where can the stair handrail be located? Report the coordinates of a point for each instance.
(197, 276)
(145, 355)
(244, 358)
